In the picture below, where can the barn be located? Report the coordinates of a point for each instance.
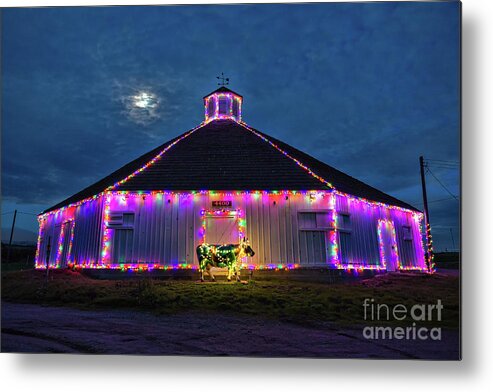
(218, 183)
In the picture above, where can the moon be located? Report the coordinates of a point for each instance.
(145, 100)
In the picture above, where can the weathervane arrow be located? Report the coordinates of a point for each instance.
(223, 81)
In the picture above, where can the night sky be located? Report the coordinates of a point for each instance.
(366, 88)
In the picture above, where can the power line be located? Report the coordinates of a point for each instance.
(443, 161)
(436, 201)
(19, 212)
(443, 167)
(443, 186)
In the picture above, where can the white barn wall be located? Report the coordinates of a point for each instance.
(364, 219)
(166, 229)
(87, 221)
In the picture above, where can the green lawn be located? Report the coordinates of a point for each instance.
(299, 302)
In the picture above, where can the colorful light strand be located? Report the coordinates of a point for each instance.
(334, 254)
(306, 168)
(61, 239)
(230, 98)
(41, 223)
(429, 244)
(105, 256)
(236, 214)
(334, 248)
(387, 223)
(153, 160)
(71, 242)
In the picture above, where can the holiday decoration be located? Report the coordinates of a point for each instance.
(222, 256)
(159, 229)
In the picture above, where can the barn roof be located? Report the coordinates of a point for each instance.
(223, 89)
(227, 155)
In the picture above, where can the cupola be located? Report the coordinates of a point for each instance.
(223, 104)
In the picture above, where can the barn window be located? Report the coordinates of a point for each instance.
(236, 108)
(310, 220)
(344, 222)
(223, 106)
(406, 233)
(407, 253)
(210, 108)
(345, 246)
(313, 228)
(120, 219)
(345, 237)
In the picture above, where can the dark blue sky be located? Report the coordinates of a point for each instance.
(366, 88)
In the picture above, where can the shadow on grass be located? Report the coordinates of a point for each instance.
(292, 301)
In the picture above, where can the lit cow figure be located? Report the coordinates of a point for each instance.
(223, 256)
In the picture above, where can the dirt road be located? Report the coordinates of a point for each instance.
(33, 328)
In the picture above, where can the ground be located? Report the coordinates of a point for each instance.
(70, 312)
(34, 328)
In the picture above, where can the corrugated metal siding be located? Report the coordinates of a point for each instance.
(166, 229)
(86, 245)
(363, 245)
(87, 233)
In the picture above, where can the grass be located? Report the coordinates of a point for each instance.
(16, 266)
(447, 260)
(298, 302)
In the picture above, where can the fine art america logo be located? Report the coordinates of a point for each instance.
(419, 313)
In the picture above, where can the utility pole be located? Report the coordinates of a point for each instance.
(11, 235)
(429, 247)
(12, 230)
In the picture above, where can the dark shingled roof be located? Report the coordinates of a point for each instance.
(223, 89)
(224, 155)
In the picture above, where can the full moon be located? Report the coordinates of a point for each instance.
(145, 100)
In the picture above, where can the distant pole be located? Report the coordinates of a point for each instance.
(452, 235)
(11, 234)
(12, 230)
(429, 249)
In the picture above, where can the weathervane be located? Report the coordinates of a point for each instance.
(223, 81)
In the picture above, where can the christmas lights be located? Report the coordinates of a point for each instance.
(41, 222)
(213, 112)
(141, 267)
(429, 246)
(121, 198)
(236, 214)
(334, 248)
(69, 206)
(384, 224)
(323, 181)
(61, 238)
(71, 241)
(106, 230)
(153, 160)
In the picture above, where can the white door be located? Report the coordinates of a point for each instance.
(221, 230)
(389, 255)
(65, 251)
